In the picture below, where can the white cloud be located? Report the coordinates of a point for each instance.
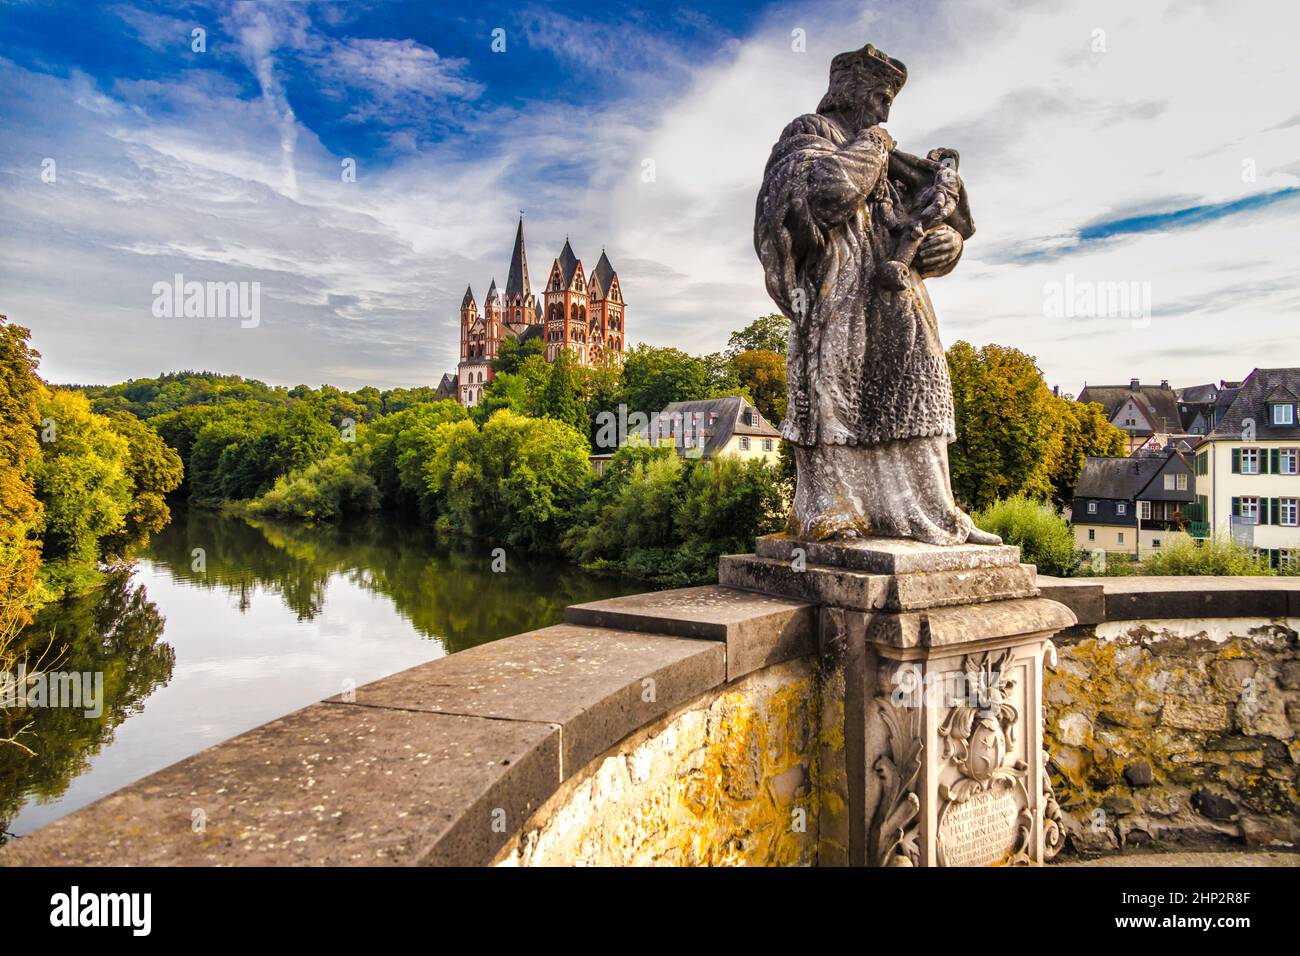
(362, 280)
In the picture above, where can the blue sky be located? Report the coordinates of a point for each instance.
(1156, 143)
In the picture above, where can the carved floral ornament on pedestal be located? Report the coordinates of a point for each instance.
(988, 804)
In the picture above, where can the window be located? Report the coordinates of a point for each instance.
(1121, 508)
(749, 417)
(1283, 414)
(744, 444)
(767, 444)
(1203, 463)
(1155, 542)
(1120, 537)
(1144, 510)
(1287, 556)
(1250, 461)
(1250, 510)
(1288, 511)
(1092, 534)
(1092, 507)
(1288, 460)
(1169, 482)
(1176, 482)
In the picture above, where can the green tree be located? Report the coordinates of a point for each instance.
(1005, 424)
(655, 377)
(82, 480)
(511, 354)
(767, 333)
(155, 472)
(561, 399)
(516, 481)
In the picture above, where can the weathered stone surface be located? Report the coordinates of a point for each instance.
(1086, 597)
(728, 779)
(832, 587)
(597, 684)
(758, 629)
(1139, 774)
(859, 590)
(944, 626)
(332, 784)
(1155, 598)
(847, 227)
(889, 555)
(1159, 712)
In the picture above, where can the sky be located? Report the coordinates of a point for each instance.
(1149, 147)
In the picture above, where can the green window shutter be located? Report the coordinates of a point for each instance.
(1274, 511)
(1275, 456)
(1236, 461)
(1236, 507)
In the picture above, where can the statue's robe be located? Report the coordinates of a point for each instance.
(870, 400)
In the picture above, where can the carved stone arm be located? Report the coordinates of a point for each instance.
(840, 183)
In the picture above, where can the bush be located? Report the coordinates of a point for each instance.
(322, 491)
(1219, 555)
(662, 518)
(1044, 537)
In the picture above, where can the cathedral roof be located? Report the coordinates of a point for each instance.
(568, 263)
(517, 280)
(493, 296)
(469, 298)
(603, 274)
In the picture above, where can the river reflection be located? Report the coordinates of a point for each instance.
(225, 623)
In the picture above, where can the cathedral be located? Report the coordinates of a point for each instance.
(581, 313)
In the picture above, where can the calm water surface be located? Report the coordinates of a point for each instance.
(267, 618)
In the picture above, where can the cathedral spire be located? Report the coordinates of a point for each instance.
(517, 281)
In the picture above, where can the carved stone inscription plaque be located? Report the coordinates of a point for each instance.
(982, 830)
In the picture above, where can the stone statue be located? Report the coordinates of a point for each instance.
(848, 227)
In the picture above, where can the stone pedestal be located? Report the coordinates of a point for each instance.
(931, 750)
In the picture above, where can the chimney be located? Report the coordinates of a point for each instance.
(1164, 383)
(1056, 390)
(1134, 385)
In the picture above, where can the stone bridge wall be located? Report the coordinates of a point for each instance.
(681, 728)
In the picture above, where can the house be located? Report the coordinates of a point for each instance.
(1141, 410)
(706, 429)
(1132, 505)
(1248, 467)
(1196, 404)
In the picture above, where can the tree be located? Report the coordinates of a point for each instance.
(155, 472)
(767, 333)
(81, 478)
(762, 374)
(511, 354)
(654, 377)
(1080, 431)
(561, 399)
(20, 510)
(516, 481)
(1005, 425)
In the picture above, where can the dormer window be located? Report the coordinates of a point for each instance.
(1283, 414)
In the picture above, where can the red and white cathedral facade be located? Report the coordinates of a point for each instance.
(584, 314)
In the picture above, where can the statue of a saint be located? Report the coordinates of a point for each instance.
(847, 228)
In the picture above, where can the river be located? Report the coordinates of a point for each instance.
(223, 624)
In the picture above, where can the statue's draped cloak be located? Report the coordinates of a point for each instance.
(865, 364)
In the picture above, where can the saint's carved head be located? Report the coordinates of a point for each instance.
(862, 87)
